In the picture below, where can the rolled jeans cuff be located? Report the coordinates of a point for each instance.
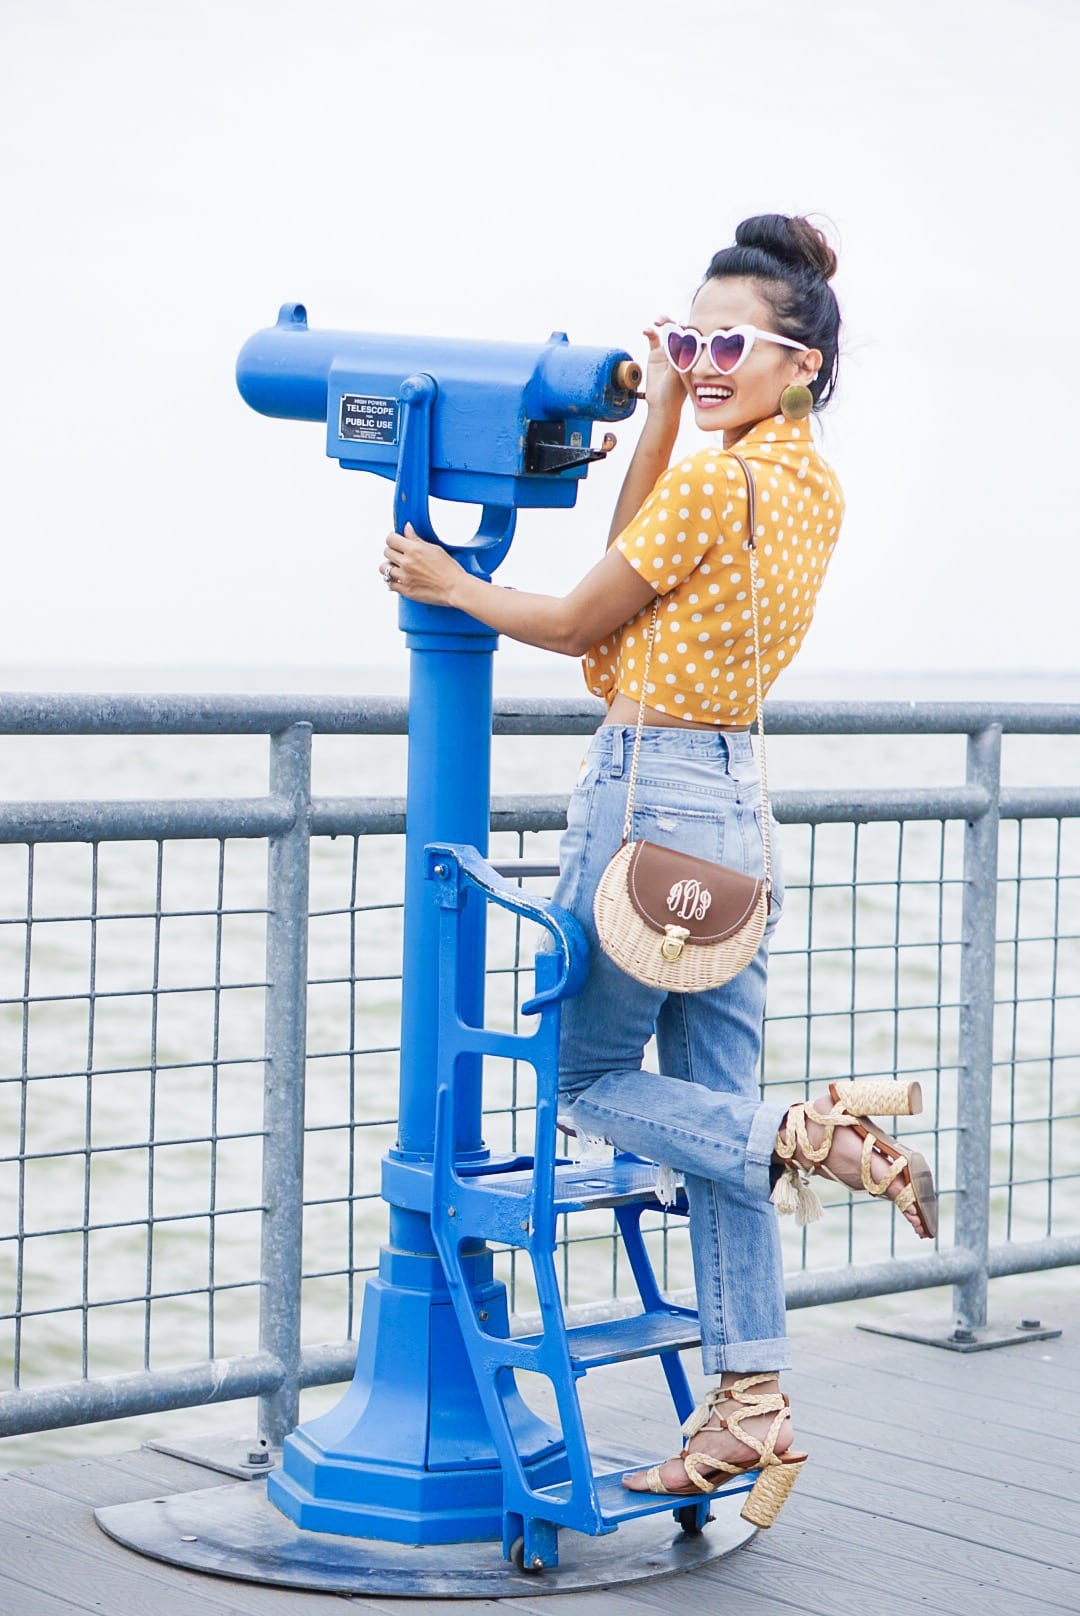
(760, 1146)
(746, 1357)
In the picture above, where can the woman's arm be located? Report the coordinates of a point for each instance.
(665, 394)
(606, 597)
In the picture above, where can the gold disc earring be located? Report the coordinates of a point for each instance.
(796, 402)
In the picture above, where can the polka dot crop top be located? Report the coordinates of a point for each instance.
(689, 540)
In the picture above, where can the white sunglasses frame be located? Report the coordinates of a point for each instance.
(751, 334)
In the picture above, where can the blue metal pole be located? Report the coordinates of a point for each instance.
(407, 1455)
(449, 785)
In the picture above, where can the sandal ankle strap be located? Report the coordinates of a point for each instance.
(747, 1407)
(793, 1133)
(793, 1191)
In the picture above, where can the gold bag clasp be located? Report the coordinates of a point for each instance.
(672, 946)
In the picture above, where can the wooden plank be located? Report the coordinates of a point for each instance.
(668, 1595)
(164, 1473)
(1046, 1366)
(628, 1599)
(848, 1577)
(21, 1600)
(1015, 1409)
(985, 1422)
(942, 1551)
(65, 1565)
(1003, 1511)
(54, 1544)
(972, 1451)
(121, 1478)
(432, 1607)
(1012, 1373)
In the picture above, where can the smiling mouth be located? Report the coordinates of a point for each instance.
(709, 397)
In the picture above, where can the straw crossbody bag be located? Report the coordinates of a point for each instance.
(669, 919)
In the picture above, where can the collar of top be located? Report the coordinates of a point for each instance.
(774, 429)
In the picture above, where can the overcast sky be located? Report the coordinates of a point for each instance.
(172, 173)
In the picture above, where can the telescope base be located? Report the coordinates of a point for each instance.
(398, 1503)
(233, 1531)
(406, 1454)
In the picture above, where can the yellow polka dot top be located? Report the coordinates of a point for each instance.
(689, 540)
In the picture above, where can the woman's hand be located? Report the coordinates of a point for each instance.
(420, 570)
(665, 396)
(610, 594)
(665, 391)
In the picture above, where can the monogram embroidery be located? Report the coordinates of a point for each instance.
(689, 900)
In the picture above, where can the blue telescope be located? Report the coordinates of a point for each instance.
(410, 1455)
(503, 425)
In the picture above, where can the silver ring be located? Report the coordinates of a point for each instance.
(388, 574)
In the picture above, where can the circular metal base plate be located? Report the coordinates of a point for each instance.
(232, 1531)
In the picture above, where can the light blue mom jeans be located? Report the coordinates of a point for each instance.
(702, 1114)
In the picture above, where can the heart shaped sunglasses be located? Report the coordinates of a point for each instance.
(727, 350)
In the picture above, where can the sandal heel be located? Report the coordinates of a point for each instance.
(770, 1492)
(864, 1097)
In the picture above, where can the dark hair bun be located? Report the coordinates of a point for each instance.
(794, 242)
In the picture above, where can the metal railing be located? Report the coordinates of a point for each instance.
(198, 1041)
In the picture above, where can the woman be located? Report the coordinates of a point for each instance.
(763, 330)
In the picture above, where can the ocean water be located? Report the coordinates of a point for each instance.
(167, 1015)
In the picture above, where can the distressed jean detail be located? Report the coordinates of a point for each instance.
(702, 1113)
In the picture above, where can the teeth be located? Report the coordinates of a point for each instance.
(715, 392)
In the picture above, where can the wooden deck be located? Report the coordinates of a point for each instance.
(939, 1482)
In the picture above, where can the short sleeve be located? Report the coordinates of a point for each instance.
(680, 522)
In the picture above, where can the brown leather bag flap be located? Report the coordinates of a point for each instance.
(668, 888)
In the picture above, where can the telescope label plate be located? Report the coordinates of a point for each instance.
(368, 420)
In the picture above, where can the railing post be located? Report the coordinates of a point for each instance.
(974, 1096)
(283, 1095)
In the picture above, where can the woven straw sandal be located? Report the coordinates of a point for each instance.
(853, 1102)
(704, 1474)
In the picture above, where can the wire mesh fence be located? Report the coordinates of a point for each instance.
(133, 1009)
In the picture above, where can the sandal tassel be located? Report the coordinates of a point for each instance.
(668, 1185)
(794, 1193)
(703, 1413)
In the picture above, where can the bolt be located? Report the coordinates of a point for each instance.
(441, 870)
(451, 1211)
(483, 1315)
(962, 1336)
(1030, 1324)
(525, 1224)
(261, 1454)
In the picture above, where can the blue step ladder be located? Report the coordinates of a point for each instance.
(516, 1201)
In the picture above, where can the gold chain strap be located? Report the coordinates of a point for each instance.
(628, 822)
(751, 544)
(766, 811)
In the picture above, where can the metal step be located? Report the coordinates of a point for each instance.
(580, 1184)
(618, 1503)
(640, 1336)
